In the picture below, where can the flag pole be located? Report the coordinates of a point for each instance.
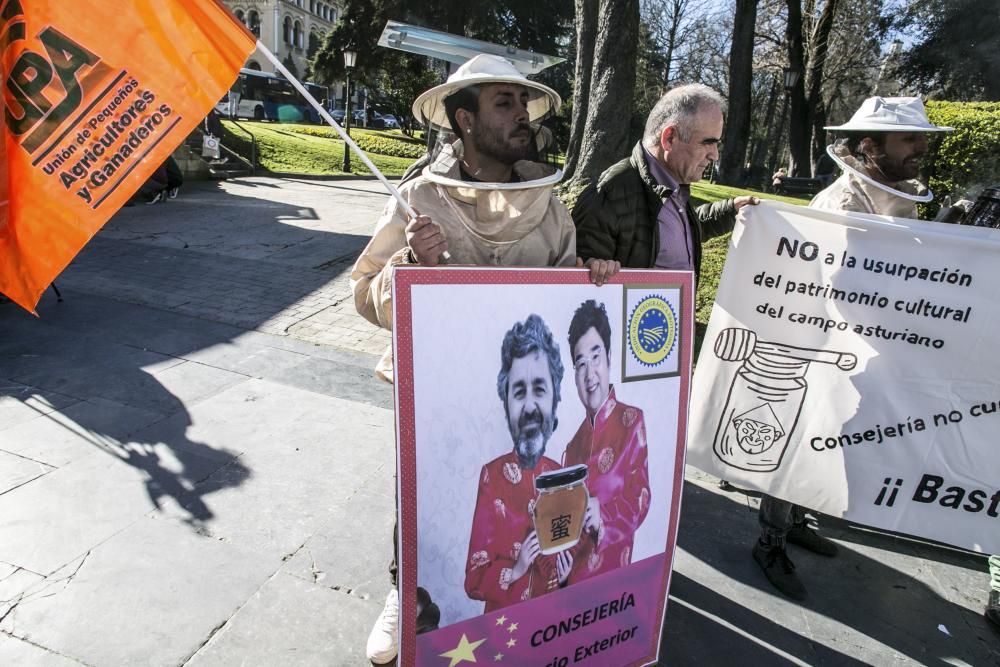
(410, 213)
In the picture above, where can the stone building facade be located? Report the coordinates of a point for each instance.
(289, 28)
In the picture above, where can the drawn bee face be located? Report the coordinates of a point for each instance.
(755, 437)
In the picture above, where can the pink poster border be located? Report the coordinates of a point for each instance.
(404, 279)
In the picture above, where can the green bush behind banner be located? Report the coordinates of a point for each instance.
(963, 162)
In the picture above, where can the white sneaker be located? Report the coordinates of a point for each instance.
(383, 642)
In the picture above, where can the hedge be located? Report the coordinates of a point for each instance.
(370, 142)
(963, 162)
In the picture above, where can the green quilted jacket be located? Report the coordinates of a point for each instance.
(616, 219)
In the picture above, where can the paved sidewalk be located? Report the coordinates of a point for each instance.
(282, 253)
(196, 468)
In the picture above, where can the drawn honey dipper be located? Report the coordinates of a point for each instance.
(765, 397)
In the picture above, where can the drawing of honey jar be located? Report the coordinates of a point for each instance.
(765, 397)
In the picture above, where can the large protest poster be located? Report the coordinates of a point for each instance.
(96, 96)
(498, 372)
(849, 367)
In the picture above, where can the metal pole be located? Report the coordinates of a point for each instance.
(347, 123)
(336, 126)
(410, 213)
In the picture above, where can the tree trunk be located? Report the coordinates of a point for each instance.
(817, 61)
(798, 124)
(586, 32)
(612, 83)
(734, 138)
(677, 8)
(777, 140)
(758, 168)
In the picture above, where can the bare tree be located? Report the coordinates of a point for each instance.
(670, 23)
(737, 132)
(798, 124)
(819, 47)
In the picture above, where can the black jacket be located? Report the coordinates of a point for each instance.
(617, 218)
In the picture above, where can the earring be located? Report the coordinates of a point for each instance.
(468, 129)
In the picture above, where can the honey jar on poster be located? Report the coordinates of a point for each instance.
(560, 508)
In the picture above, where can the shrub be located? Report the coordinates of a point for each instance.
(965, 161)
(382, 143)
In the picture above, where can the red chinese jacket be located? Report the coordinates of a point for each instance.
(614, 449)
(502, 521)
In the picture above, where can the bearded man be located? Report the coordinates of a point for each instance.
(483, 200)
(880, 156)
(504, 565)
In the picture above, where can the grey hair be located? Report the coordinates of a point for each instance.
(678, 107)
(526, 337)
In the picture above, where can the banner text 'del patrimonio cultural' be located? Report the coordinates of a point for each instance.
(96, 97)
(849, 367)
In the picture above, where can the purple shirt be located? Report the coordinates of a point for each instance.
(672, 221)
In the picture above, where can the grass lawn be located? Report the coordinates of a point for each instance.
(311, 149)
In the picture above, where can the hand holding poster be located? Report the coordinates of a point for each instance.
(541, 428)
(96, 96)
(848, 368)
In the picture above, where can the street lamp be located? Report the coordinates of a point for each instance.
(350, 57)
(791, 78)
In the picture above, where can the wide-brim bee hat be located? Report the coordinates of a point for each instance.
(890, 114)
(481, 70)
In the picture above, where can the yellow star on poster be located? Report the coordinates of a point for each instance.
(464, 651)
(501, 620)
(511, 643)
(512, 627)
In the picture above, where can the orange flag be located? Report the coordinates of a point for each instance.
(96, 96)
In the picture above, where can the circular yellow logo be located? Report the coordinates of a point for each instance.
(652, 330)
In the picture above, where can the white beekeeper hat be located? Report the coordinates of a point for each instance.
(890, 114)
(484, 69)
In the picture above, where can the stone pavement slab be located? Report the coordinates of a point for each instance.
(300, 454)
(262, 254)
(61, 437)
(292, 622)
(63, 514)
(20, 403)
(151, 595)
(15, 651)
(17, 470)
(334, 556)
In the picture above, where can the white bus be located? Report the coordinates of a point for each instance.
(267, 96)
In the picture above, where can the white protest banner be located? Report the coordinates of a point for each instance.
(849, 366)
(540, 469)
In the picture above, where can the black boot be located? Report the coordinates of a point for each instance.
(779, 570)
(807, 538)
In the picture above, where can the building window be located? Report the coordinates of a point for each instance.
(254, 65)
(240, 15)
(287, 33)
(298, 36)
(253, 22)
(312, 6)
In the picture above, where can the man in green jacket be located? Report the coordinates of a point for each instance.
(639, 213)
